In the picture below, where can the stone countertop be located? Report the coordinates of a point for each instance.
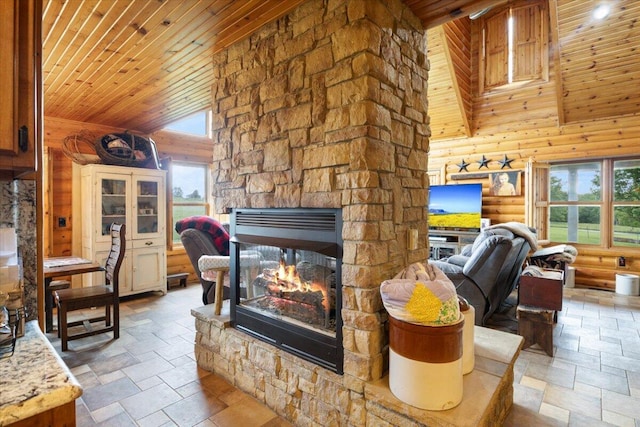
(34, 379)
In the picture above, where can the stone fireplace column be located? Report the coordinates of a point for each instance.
(327, 107)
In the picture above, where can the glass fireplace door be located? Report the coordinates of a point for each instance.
(294, 286)
(286, 289)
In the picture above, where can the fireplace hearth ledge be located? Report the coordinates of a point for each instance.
(488, 389)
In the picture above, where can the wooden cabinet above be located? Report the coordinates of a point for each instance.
(20, 46)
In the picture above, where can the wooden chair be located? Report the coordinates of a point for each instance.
(94, 296)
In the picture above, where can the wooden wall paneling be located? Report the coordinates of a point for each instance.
(555, 59)
(47, 203)
(178, 262)
(169, 144)
(182, 147)
(588, 140)
(457, 52)
(61, 206)
(446, 118)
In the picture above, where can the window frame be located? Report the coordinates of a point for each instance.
(606, 203)
(207, 203)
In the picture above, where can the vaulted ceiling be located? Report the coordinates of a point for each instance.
(594, 65)
(141, 64)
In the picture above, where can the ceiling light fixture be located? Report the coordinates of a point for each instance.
(601, 11)
(479, 13)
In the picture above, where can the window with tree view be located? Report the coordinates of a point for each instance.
(189, 191)
(626, 203)
(595, 203)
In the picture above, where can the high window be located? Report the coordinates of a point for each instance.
(595, 202)
(514, 45)
(195, 124)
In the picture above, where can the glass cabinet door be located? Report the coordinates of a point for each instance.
(147, 207)
(114, 203)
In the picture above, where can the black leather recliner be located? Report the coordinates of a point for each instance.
(487, 271)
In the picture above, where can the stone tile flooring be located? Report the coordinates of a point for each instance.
(149, 377)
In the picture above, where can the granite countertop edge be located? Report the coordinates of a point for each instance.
(34, 379)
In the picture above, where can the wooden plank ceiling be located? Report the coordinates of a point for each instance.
(140, 64)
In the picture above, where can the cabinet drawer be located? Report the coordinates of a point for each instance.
(148, 243)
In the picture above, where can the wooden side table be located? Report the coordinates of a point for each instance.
(535, 325)
(539, 299)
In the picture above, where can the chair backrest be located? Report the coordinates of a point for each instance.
(197, 243)
(116, 255)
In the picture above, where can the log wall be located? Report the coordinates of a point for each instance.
(522, 123)
(179, 147)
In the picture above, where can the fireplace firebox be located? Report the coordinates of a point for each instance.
(286, 269)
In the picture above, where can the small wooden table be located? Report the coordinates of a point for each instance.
(60, 267)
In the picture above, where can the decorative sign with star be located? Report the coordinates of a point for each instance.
(483, 162)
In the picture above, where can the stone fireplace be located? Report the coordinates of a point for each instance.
(326, 108)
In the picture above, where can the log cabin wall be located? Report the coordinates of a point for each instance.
(180, 147)
(522, 123)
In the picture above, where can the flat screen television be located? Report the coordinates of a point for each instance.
(455, 207)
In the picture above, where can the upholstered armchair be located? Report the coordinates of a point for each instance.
(203, 236)
(487, 271)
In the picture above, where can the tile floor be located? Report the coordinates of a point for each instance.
(149, 377)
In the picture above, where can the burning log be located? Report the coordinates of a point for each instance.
(312, 298)
(288, 294)
(293, 309)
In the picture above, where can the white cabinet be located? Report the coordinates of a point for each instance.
(135, 197)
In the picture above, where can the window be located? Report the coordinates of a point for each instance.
(626, 203)
(595, 203)
(196, 124)
(189, 193)
(514, 45)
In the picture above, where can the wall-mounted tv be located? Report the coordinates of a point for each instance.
(455, 207)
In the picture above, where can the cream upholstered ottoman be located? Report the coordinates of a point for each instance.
(208, 264)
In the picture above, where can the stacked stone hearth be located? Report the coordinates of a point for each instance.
(325, 107)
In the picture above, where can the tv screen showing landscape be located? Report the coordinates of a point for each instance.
(457, 207)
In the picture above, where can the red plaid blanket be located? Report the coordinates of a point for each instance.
(207, 224)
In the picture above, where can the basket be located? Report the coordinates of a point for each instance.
(79, 147)
(127, 149)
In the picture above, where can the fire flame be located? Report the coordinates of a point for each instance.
(289, 280)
